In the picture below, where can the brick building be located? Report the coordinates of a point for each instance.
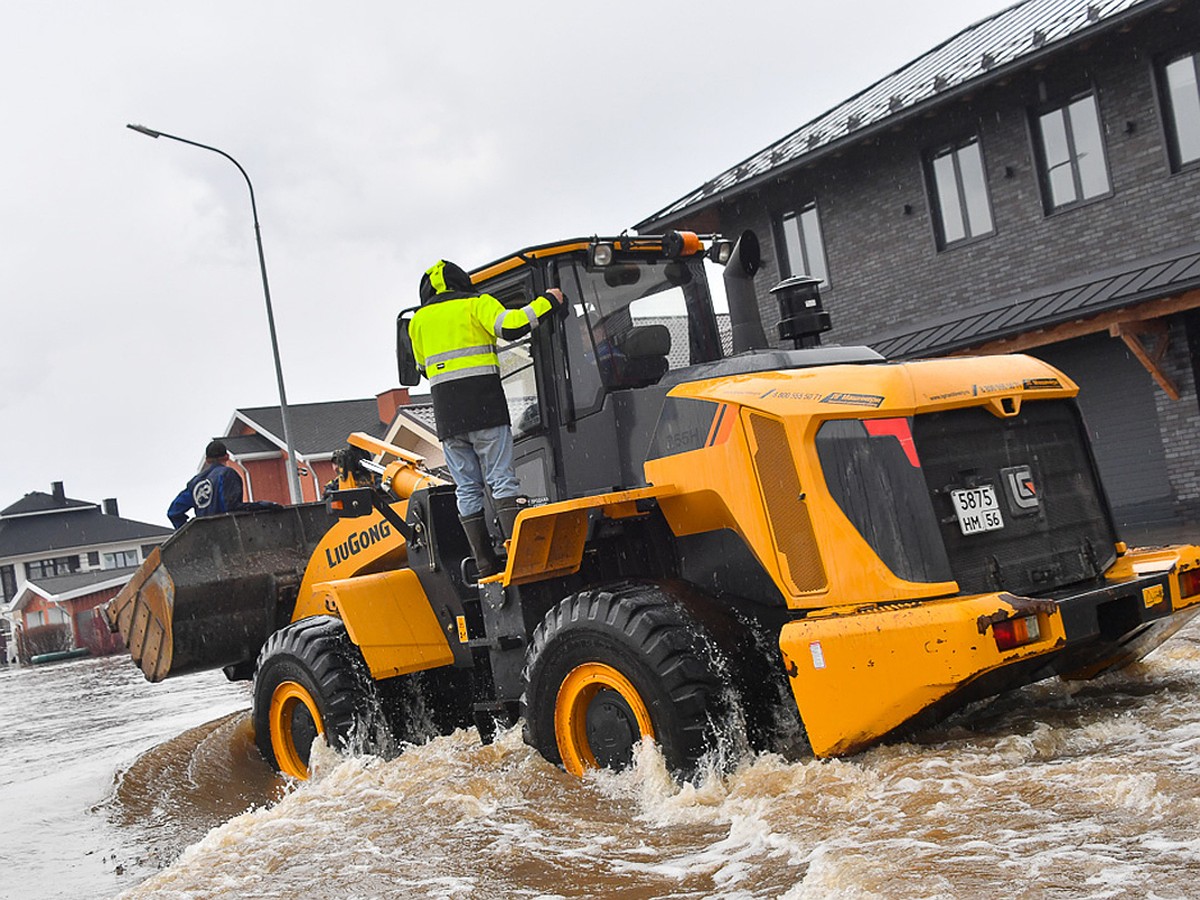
(1032, 184)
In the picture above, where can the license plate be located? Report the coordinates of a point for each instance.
(977, 509)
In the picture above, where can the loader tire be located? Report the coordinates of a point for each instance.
(607, 667)
(311, 680)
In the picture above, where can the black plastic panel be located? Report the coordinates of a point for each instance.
(1066, 538)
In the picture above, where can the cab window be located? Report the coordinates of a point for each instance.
(518, 375)
(633, 322)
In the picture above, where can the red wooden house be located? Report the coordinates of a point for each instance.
(257, 449)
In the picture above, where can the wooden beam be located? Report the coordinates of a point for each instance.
(1156, 330)
(1153, 309)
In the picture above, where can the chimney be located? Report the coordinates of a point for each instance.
(390, 401)
(110, 506)
(56, 489)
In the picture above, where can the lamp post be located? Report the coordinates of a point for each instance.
(293, 477)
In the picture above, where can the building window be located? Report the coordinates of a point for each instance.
(122, 559)
(1179, 81)
(960, 196)
(48, 568)
(804, 249)
(1070, 148)
(8, 583)
(94, 559)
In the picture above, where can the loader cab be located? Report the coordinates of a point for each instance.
(584, 392)
(635, 315)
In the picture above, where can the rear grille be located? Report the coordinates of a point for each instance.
(1062, 537)
(788, 513)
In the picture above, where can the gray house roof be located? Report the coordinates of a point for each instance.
(1164, 275)
(42, 523)
(80, 581)
(240, 445)
(988, 50)
(317, 428)
(422, 413)
(39, 502)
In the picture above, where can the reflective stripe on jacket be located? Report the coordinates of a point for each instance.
(454, 341)
(454, 335)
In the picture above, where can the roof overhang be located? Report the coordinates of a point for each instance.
(32, 589)
(1120, 301)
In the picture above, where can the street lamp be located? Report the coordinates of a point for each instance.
(293, 478)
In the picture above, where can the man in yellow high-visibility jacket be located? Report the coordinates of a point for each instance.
(454, 337)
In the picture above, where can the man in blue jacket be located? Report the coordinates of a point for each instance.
(217, 489)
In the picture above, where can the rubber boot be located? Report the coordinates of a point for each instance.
(507, 509)
(480, 540)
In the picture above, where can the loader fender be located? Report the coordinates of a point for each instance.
(548, 541)
(391, 620)
(350, 547)
(858, 676)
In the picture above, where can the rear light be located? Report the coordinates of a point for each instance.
(1189, 583)
(1012, 633)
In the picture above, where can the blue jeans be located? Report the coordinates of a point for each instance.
(478, 456)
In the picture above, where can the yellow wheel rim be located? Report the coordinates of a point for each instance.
(575, 695)
(285, 701)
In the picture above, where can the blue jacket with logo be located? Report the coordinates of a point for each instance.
(216, 490)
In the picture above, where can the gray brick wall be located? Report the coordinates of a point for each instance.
(1179, 421)
(884, 264)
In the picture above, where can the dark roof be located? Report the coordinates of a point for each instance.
(66, 584)
(1151, 278)
(248, 444)
(988, 50)
(422, 413)
(83, 527)
(317, 428)
(40, 502)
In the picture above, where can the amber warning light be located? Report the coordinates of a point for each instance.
(1012, 633)
(1189, 583)
(349, 503)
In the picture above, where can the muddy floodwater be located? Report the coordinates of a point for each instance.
(110, 786)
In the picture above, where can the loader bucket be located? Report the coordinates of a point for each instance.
(216, 589)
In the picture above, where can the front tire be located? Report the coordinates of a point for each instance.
(310, 680)
(608, 667)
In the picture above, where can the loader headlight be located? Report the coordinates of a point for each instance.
(720, 251)
(1013, 633)
(602, 254)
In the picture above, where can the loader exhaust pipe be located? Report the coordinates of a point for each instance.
(744, 318)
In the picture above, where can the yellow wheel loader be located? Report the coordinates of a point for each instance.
(733, 543)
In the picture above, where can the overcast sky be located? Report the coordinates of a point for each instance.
(379, 136)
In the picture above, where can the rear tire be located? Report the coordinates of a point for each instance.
(608, 667)
(311, 680)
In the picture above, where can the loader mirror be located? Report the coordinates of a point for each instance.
(406, 360)
(622, 275)
(677, 274)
